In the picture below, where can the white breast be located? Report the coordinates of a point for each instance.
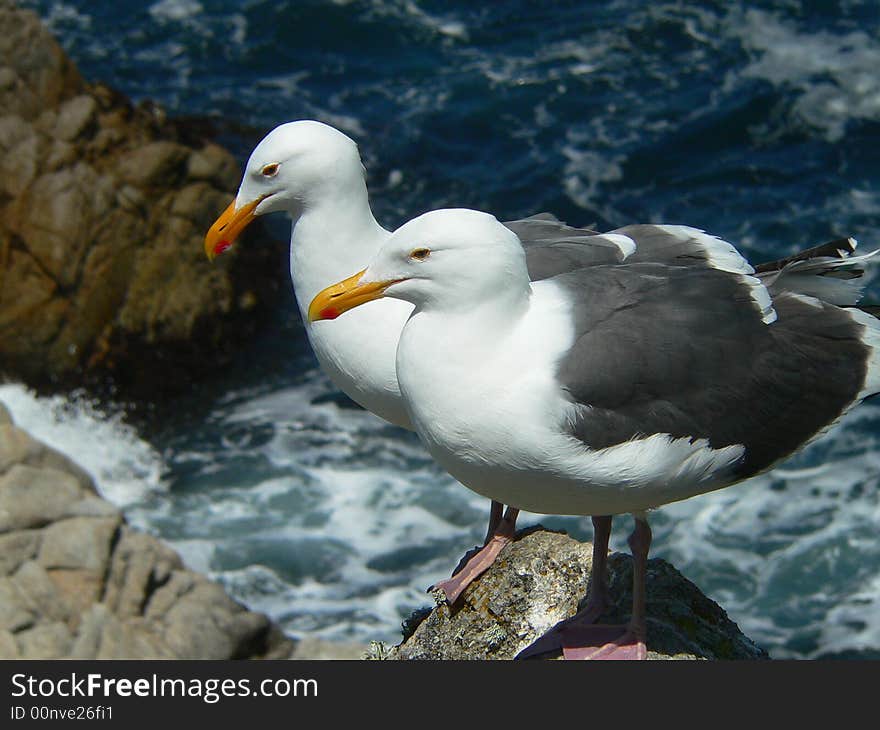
(488, 407)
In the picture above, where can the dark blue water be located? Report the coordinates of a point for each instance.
(759, 122)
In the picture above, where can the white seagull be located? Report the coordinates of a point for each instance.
(314, 174)
(613, 388)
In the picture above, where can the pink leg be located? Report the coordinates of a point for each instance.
(617, 642)
(496, 514)
(500, 533)
(597, 590)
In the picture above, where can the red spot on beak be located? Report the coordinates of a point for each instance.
(221, 247)
(329, 313)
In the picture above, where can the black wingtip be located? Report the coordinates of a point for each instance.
(838, 248)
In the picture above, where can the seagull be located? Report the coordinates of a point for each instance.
(313, 173)
(614, 388)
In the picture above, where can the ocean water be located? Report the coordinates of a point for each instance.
(758, 121)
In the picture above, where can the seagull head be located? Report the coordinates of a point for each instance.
(448, 260)
(294, 166)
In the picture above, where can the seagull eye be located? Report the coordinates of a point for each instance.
(420, 254)
(270, 170)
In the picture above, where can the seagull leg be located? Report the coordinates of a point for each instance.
(597, 592)
(496, 514)
(501, 531)
(617, 642)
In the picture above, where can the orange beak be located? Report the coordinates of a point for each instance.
(228, 227)
(348, 294)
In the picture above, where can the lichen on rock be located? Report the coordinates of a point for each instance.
(540, 579)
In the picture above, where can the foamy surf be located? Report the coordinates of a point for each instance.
(126, 469)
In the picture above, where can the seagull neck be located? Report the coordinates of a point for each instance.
(331, 241)
(480, 324)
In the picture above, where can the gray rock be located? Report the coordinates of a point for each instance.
(79, 543)
(37, 587)
(540, 579)
(201, 620)
(18, 612)
(45, 641)
(140, 565)
(33, 497)
(91, 506)
(76, 582)
(19, 447)
(5, 418)
(16, 548)
(8, 646)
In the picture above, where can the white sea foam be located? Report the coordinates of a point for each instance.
(175, 9)
(833, 74)
(126, 469)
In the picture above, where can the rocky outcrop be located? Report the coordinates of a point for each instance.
(103, 209)
(539, 580)
(77, 582)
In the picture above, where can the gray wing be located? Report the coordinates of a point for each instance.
(829, 272)
(552, 247)
(685, 351)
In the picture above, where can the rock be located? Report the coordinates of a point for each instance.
(77, 582)
(540, 579)
(17, 613)
(311, 648)
(33, 497)
(140, 564)
(104, 277)
(36, 585)
(16, 548)
(79, 543)
(75, 117)
(45, 641)
(8, 646)
(18, 447)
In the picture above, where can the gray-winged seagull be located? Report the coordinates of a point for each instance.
(617, 387)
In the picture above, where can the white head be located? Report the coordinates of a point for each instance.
(448, 260)
(295, 166)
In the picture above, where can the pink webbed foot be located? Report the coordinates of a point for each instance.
(556, 638)
(501, 532)
(453, 587)
(603, 642)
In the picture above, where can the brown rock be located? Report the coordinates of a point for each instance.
(43, 74)
(75, 117)
(103, 276)
(155, 164)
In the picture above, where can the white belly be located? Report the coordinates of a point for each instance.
(492, 413)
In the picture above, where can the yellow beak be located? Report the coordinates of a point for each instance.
(228, 227)
(348, 294)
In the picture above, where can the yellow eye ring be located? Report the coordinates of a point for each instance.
(420, 254)
(270, 170)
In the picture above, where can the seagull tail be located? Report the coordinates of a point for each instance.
(830, 272)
